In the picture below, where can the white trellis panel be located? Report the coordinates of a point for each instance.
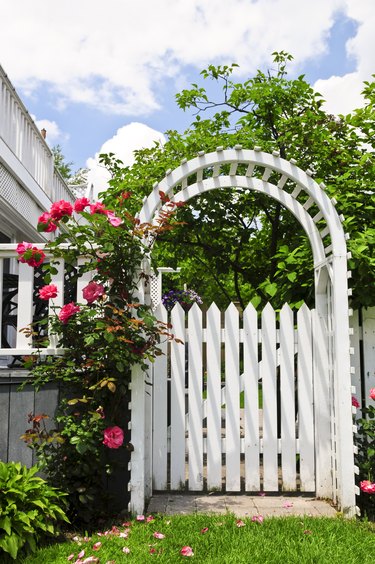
(287, 403)
(178, 400)
(251, 400)
(213, 440)
(305, 401)
(268, 376)
(232, 400)
(160, 409)
(195, 411)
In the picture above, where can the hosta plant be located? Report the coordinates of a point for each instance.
(30, 509)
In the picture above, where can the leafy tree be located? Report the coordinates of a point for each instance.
(244, 246)
(77, 181)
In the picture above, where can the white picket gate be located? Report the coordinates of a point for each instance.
(233, 407)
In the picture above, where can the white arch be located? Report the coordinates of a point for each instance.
(298, 192)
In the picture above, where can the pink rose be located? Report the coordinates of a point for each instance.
(48, 292)
(98, 207)
(29, 254)
(372, 393)
(46, 224)
(67, 311)
(92, 292)
(186, 551)
(113, 219)
(355, 402)
(367, 487)
(113, 437)
(60, 209)
(80, 204)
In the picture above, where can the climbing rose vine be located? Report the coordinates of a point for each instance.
(103, 330)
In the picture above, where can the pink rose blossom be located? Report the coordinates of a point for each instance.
(48, 292)
(367, 487)
(355, 402)
(113, 219)
(60, 209)
(80, 204)
(186, 551)
(98, 207)
(46, 223)
(157, 535)
(372, 393)
(29, 254)
(257, 519)
(113, 437)
(92, 292)
(67, 311)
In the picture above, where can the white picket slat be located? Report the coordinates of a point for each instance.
(287, 402)
(177, 457)
(268, 376)
(25, 304)
(368, 324)
(82, 280)
(356, 358)
(251, 400)
(213, 398)
(195, 410)
(305, 400)
(56, 303)
(322, 412)
(160, 409)
(232, 400)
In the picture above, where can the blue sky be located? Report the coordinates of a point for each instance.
(87, 70)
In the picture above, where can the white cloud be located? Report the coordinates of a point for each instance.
(123, 144)
(53, 131)
(112, 57)
(343, 93)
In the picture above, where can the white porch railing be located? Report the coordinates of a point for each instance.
(20, 138)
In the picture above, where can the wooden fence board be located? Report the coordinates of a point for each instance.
(232, 400)
(195, 411)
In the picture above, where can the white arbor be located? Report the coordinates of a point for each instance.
(297, 191)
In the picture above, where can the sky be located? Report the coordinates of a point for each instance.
(102, 76)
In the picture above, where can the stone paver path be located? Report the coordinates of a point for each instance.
(240, 505)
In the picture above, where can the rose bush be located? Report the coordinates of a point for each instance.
(365, 457)
(102, 337)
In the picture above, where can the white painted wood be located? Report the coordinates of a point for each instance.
(82, 280)
(305, 401)
(55, 304)
(251, 400)
(160, 409)
(177, 469)
(322, 400)
(232, 403)
(137, 484)
(356, 359)
(1, 294)
(368, 320)
(268, 376)
(287, 404)
(213, 398)
(195, 405)
(25, 304)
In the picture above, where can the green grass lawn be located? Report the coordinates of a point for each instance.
(219, 539)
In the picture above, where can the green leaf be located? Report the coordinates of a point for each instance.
(5, 523)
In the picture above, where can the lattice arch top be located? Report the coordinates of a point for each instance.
(262, 172)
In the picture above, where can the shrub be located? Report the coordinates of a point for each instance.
(366, 458)
(30, 509)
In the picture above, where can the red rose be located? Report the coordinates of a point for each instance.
(48, 292)
(67, 311)
(113, 437)
(45, 223)
(81, 204)
(98, 207)
(60, 209)
(92, 292)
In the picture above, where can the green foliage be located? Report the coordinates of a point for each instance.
(365, 459)
(30, 509)
(230, 244)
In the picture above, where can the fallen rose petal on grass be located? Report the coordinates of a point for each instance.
(204, 530)
(140, 518)
(157, 535)
(97, 545)
(186, 551)
(126, 550)
(240, 523)
(287, 505)
(257, 519)
(70, 557)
